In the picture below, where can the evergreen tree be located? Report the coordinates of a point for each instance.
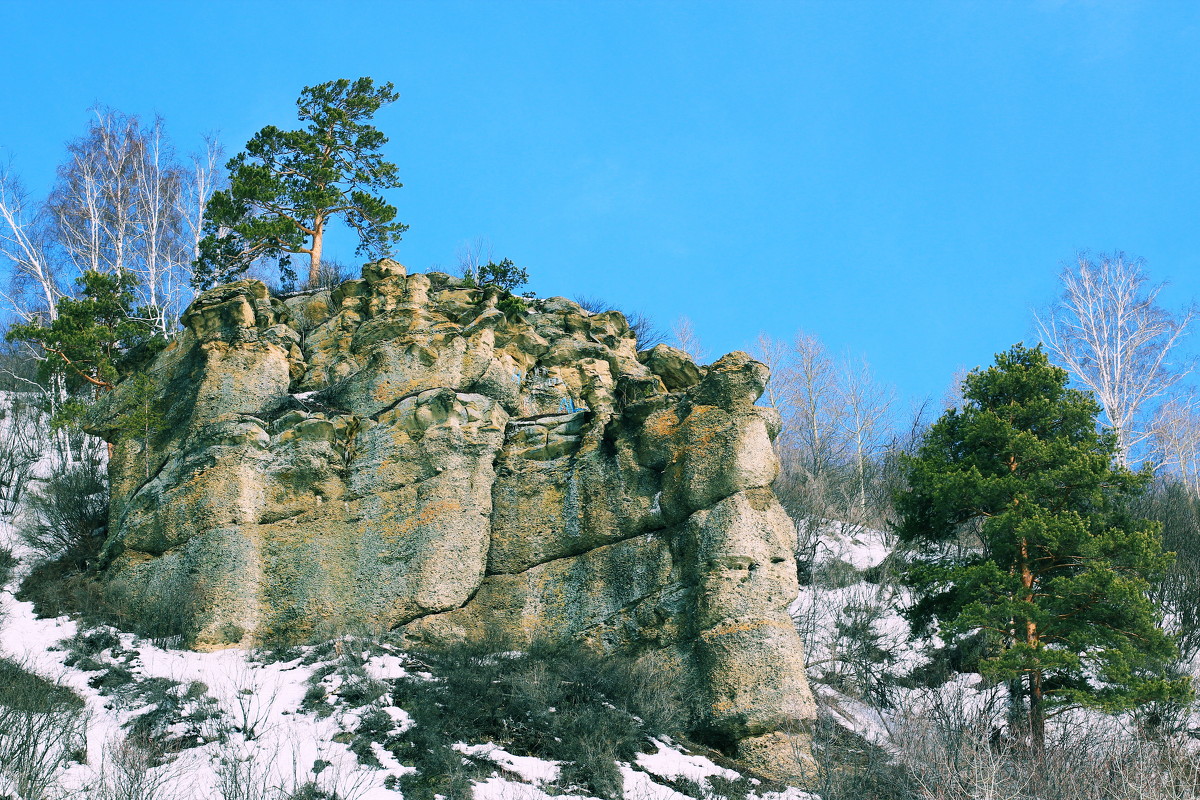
(1017, 516)
(89, 335)
(287, 185)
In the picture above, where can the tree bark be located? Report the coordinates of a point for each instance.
(314, 264)
(1037, 714)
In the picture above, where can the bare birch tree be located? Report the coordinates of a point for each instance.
(837, 428)
(1176, 445)
(866, 405)
(816, 400)
(781, 386)
(161, 241)
(472, 256)
(1108, 330)
(93, 202)
(684, 336)
(804, 388)
(34, 284)
(34, 289)
(204, 178)
(122, 200)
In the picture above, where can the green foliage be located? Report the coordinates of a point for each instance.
(142, 418)
(1021, 532)
(863, 650)
(88, 337)
(512, 305)
(506, 275)
(287, 185)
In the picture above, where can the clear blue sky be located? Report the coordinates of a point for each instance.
(903, 179)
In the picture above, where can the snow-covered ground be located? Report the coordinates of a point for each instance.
(271, 741)
(279, 743)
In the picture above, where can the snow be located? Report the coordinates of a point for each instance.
(529, 769)
(640, 786)
(497, 788)
(671, 763)
(266, 696)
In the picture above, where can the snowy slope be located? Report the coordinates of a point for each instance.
(274, 741)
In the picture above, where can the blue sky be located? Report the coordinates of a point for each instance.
(903, 179)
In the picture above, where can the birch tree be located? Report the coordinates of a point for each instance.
(836, 426)
(122, 201)
(684, 336)
(1176, 445)
(1111, 334)
(122, 205)
(34, 286)
(94, 202)
(866, 405)
(816, 402)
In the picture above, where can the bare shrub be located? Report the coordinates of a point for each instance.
(1172, 504)
(252, 773)
(133, 770)
(253, 700)
(42, 729)
(955, 750)
(22, 439)
(245, 775)
(849, 767)
(644, 329)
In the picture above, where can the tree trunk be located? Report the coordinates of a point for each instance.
(314, 264)
(1037, 713)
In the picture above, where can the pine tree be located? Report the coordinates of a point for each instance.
(287, 186)
(1017, 516)
(89, 335)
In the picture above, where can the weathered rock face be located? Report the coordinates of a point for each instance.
(398, 453)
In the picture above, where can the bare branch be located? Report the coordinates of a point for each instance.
(1110, 333)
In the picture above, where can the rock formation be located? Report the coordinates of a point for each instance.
(398, 453)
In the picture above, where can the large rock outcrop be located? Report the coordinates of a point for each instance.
(400, 453)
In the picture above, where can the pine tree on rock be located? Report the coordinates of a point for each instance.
(1017, 519)
(287, 186)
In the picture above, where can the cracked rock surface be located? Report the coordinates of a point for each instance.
(397, 453)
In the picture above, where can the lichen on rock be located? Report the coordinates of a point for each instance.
(399, 454)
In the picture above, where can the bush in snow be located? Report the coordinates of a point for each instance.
(564, 704)
(42, 728)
